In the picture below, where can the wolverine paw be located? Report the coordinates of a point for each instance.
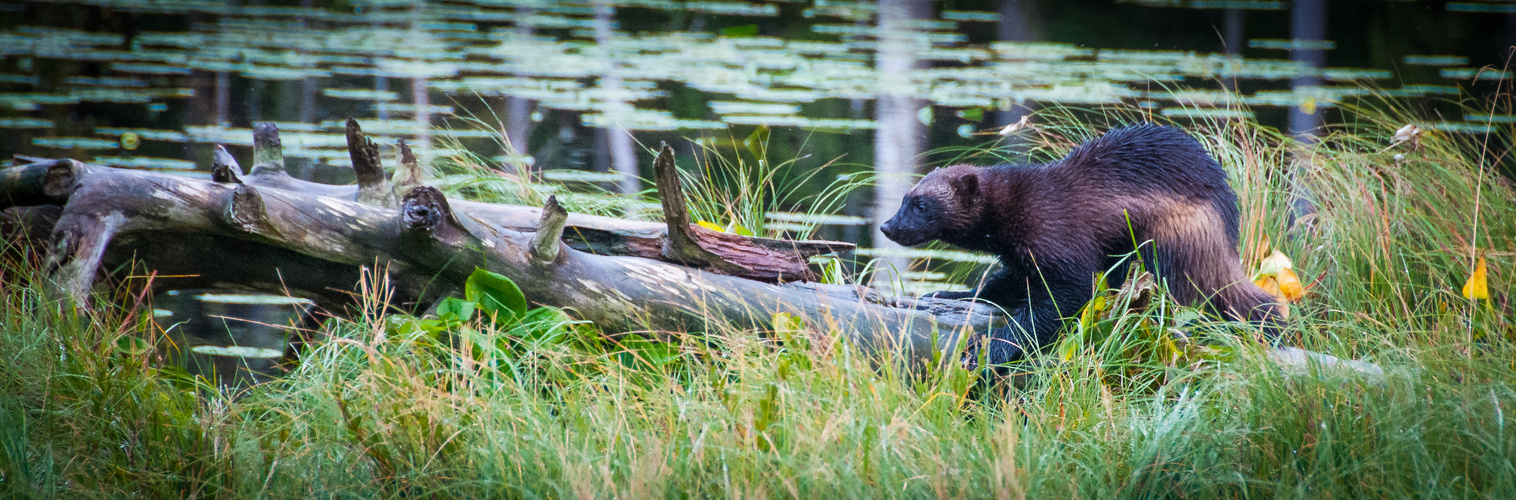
(948, 295)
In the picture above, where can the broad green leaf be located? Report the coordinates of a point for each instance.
(972, 114)
(496, 295)
(455, 309)
(132, 346)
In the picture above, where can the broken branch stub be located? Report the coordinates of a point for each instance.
(545, 245)
(680, 245)
(268, 153)
(373, 188)
(224, 167)
(409, 175)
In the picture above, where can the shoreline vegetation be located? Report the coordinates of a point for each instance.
(1386, 233)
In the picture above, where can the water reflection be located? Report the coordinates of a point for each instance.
(232, 339)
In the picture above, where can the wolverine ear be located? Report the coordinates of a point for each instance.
(966, 185)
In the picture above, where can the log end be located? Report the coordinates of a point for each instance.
(245, 211)
(62, 179)
(425, 209)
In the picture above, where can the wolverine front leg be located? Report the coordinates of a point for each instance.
(1004, 288)
(1035, 326)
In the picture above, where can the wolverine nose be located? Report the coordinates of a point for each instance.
(888, 228)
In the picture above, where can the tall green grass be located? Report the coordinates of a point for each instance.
(1117, 409)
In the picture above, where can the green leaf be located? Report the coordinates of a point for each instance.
(640, 352)
(738, 229)
(132, 346)
(454, 309)
(740, 31)
(546, 325)
(972, 114)
(757, 141)
(496, 295)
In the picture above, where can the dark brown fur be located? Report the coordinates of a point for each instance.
(1055, 225)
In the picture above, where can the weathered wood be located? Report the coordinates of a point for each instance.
(268, 151)
(224, 167)
(410, 174)
(764, 259)
(681, 246)
(373, 187)
(429, 241)
(545, 242)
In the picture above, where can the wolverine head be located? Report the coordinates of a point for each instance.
(944, 202)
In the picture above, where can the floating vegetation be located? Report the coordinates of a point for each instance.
(967, 15)
(752, 108)
(551, 54)
(1501, 8)
(237, 351)
(25, 123)
(74, 143)
(144, 162)
(1490, 118)
(360, 94)
(252, 298)
(581, 176)
(1211, 4)
(1436, 60)
(1206, 113)
(1475, 74)
(1291, 44)
(145, 134)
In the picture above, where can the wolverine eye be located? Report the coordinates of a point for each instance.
(918, 204)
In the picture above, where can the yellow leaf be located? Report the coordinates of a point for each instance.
(710, 226)
(1308, 106)
(1289, 285)
(1478, 286)
(1271, 285)
(1273, 264)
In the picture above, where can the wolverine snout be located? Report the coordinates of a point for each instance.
(903, 232)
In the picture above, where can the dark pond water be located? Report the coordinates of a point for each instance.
(233, 339)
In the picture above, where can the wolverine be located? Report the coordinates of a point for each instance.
(1147, 188)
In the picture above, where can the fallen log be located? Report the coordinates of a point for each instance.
(239, 234)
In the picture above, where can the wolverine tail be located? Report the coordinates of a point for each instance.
(1245, 301)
